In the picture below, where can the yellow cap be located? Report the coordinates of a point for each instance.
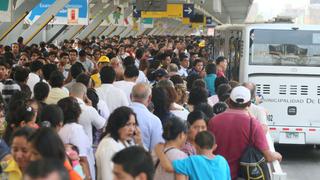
(202, 44)
(104, 59)
(96, 79)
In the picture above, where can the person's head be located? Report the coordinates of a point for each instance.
(131, 72)
(56, 79)
(82, 55)
(177, 79)
(76, 69)
(128, 61)
(78, 90)
(107, 75)
(211, 69)
(252, 87)
(223, 92)
(239, 98)
(122, 124)
(198, 95)
(190, 80)
(206, 109)
(84, 79)
(46, 143)
(220, 107)
(46, 169)
(19, 147)
(182, 94)
(24, 58)
(41, 91)
(184, 61)
(47, 69)
(222, 63)
(36, 67)
(172, 69)
(4, 70)
(198, 65)
(197, 123)
(161, 102)
(175, 130)
(205, 141)
(15, 48)
(141, 92)
(199, 83)
(70, 108)
(52, 114)
(73, 55)
(219, 81)
(21, 74)
(133, 163)
(26, 116)
(93, 96)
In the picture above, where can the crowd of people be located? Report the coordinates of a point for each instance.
(124, 108)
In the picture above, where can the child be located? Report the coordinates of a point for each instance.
(203, 166)
(72, 152)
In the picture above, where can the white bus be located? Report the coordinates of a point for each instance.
(283, 60)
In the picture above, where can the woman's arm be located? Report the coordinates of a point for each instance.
(164, 161)
(181, 177)
(85, 167)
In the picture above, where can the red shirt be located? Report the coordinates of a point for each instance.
(220, 74)
(231, 129)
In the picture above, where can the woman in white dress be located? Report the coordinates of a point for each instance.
(121, 132)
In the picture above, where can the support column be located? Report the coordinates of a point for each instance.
(96, 22)
(18, 16)
(45, 18)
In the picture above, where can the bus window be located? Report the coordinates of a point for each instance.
(284, 47)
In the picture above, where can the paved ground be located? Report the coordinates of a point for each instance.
(300, 162)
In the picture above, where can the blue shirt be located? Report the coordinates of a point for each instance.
(200, 167)
(149, 124)
(210, 79)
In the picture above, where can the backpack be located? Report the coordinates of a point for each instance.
(253, 165)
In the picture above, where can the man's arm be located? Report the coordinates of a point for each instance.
(271, 156)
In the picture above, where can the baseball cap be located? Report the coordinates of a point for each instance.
(104, 59)
(240, 95)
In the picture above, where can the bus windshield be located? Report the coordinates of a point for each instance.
(284, 47)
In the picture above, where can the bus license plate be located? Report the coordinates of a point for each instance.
(292, 135)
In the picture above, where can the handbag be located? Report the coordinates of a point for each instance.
(253, 165)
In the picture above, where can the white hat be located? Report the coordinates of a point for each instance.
(240, 95)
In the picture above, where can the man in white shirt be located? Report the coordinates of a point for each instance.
(130, 76)
(113, 96)
(89, 116)
(87, 64)
(184, 64)
(149, 124)
(35, 74)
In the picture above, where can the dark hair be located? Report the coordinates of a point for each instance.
(196, 115)
(73, 50)
(205, 140)
(199, 83)
(197, 61)
(128, 61)
(25, 132)
(223, 92)
(47, 69)
(211, 69)
(219, 81)
(220, 107)
(198, 95)
(21, 74)
(176, 79)
(53, 114)
(206, 109)
(135, 160)
(84, 79)
(190, 79)
(220, 59)
(48, 143)
(44, 167)
(41, 91)
(25, 89)
(63, 54)
(118, 119)
(23, 113)
(93, 96)
(35, 65)
(107, 75)
(56, 79)
(173, 127)
(239, 106)
(139, 53)
(71, 109)
(160, 100)
(82, 53)
(76, 69)
(131, 71)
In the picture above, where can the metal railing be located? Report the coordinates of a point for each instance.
(275, 167)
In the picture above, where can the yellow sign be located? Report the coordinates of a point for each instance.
(186, 21)
(173, 11)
